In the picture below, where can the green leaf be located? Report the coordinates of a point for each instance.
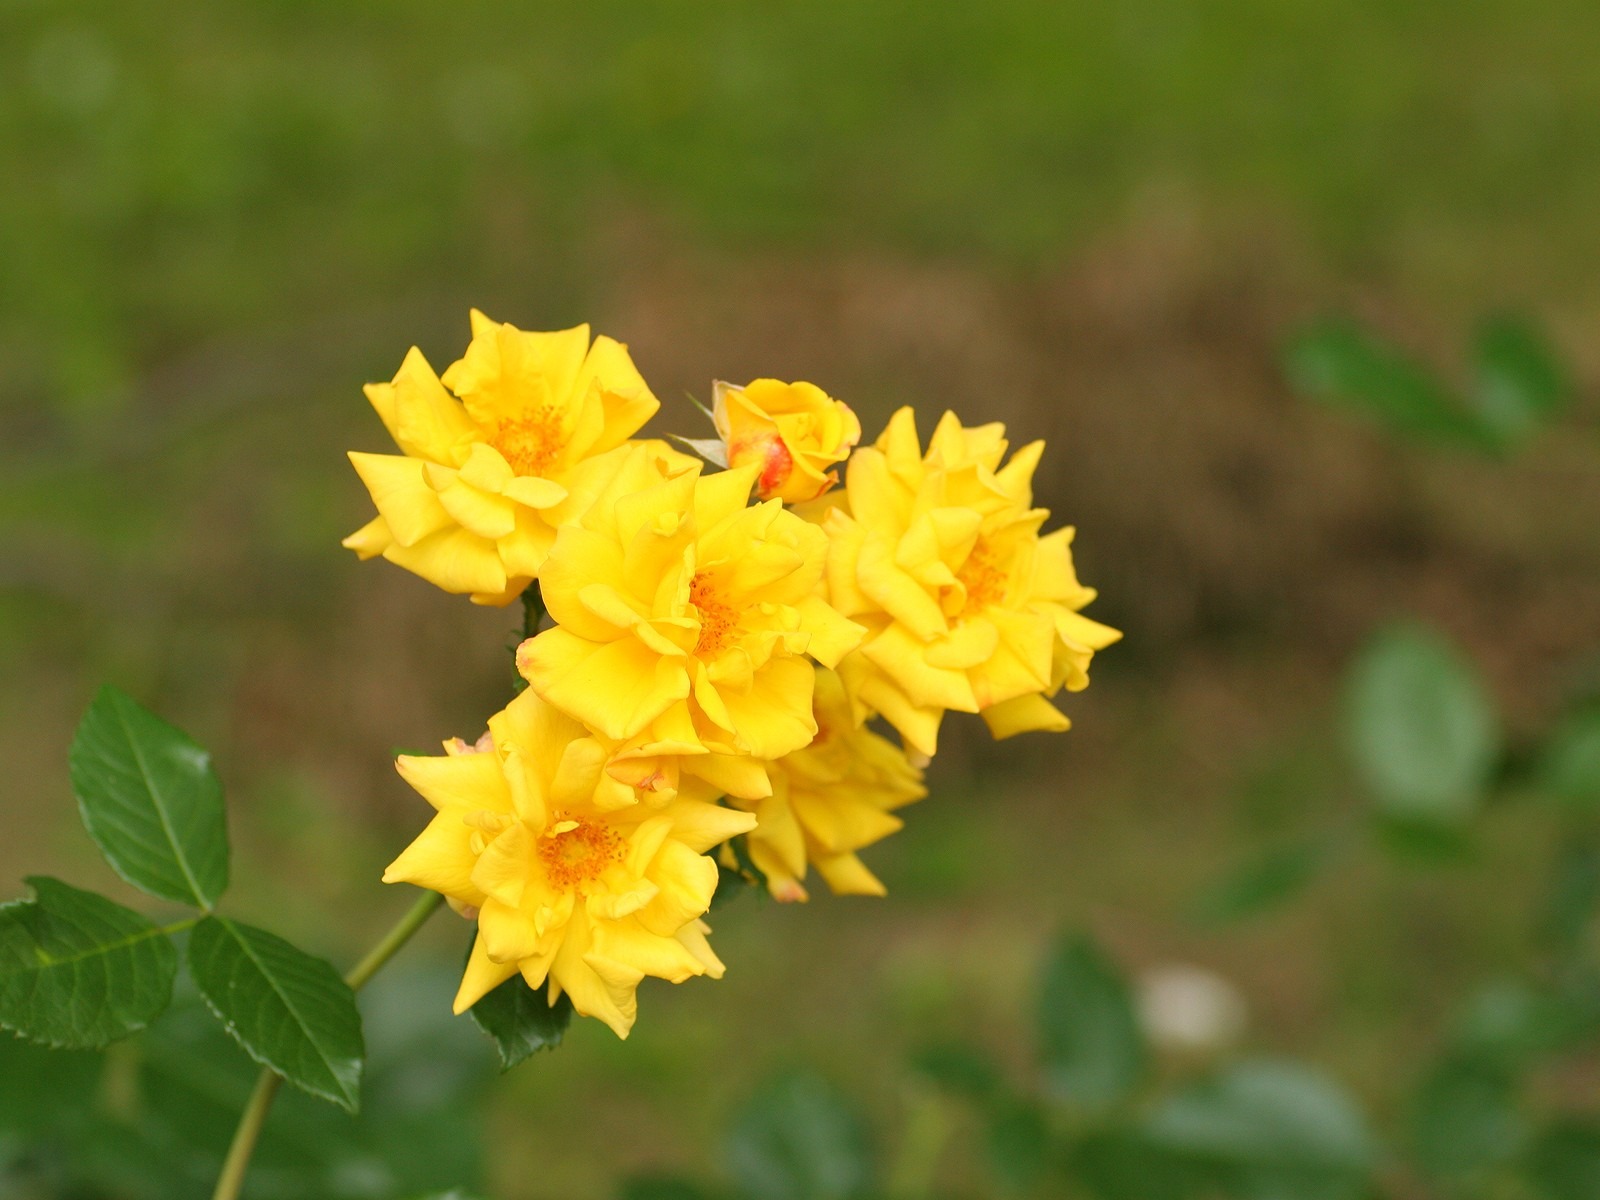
(797, 1140)
(1342, 365)
(1092, 1048)
(1125, 1164)
(1466, 1118)
(959, 1069)
(1018, 1145)
(521, 1021)
(1569, 767)
(151, 801)
(78, 971)
(289, 1011)
(1520, 384)
(1423, 732)
(1267, 1115)
(1263, 883)
(44, 1087)
(661, 1187)
(1564, 1163)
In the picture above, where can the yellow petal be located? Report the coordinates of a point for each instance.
(454, 559)
(482, 976)
(441, 860)
(1023, 715)
(458, 781)
(616, 687)
(400, 490)
(371, 540)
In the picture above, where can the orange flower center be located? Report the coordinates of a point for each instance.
(983, 577)
(718, 620)
(530, 442)
(578, 851)
(769, 450)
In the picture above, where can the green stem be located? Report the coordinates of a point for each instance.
(369, 966)
(269, 1081)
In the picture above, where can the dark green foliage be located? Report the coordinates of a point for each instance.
(1090, 1043)
(151, 800)
(1467, 1119)
(77, 971)
(1517, 387)
(289, 1010)
(1263, 883)
(1423, 733)
(799, 1140)
(521, 1021)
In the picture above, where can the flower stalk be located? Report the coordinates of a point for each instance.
(242, 1148)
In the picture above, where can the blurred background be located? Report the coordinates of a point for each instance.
(1101, 224)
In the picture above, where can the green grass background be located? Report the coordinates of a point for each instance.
(1095, 220)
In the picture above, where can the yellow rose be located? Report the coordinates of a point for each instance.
(685, 616)
(829, 800)
(966, 606)
(486, 475)
(571, 883)
(792, 432)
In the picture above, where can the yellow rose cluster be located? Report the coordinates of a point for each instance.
(721, 643)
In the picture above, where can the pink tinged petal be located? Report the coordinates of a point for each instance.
(848, 876)
(371, 540)
(702, 826)
(482, 976)
(456, 560)
(400, 490)
(1025, 714)
(462, 781)
(616, 688)
(441, 860)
